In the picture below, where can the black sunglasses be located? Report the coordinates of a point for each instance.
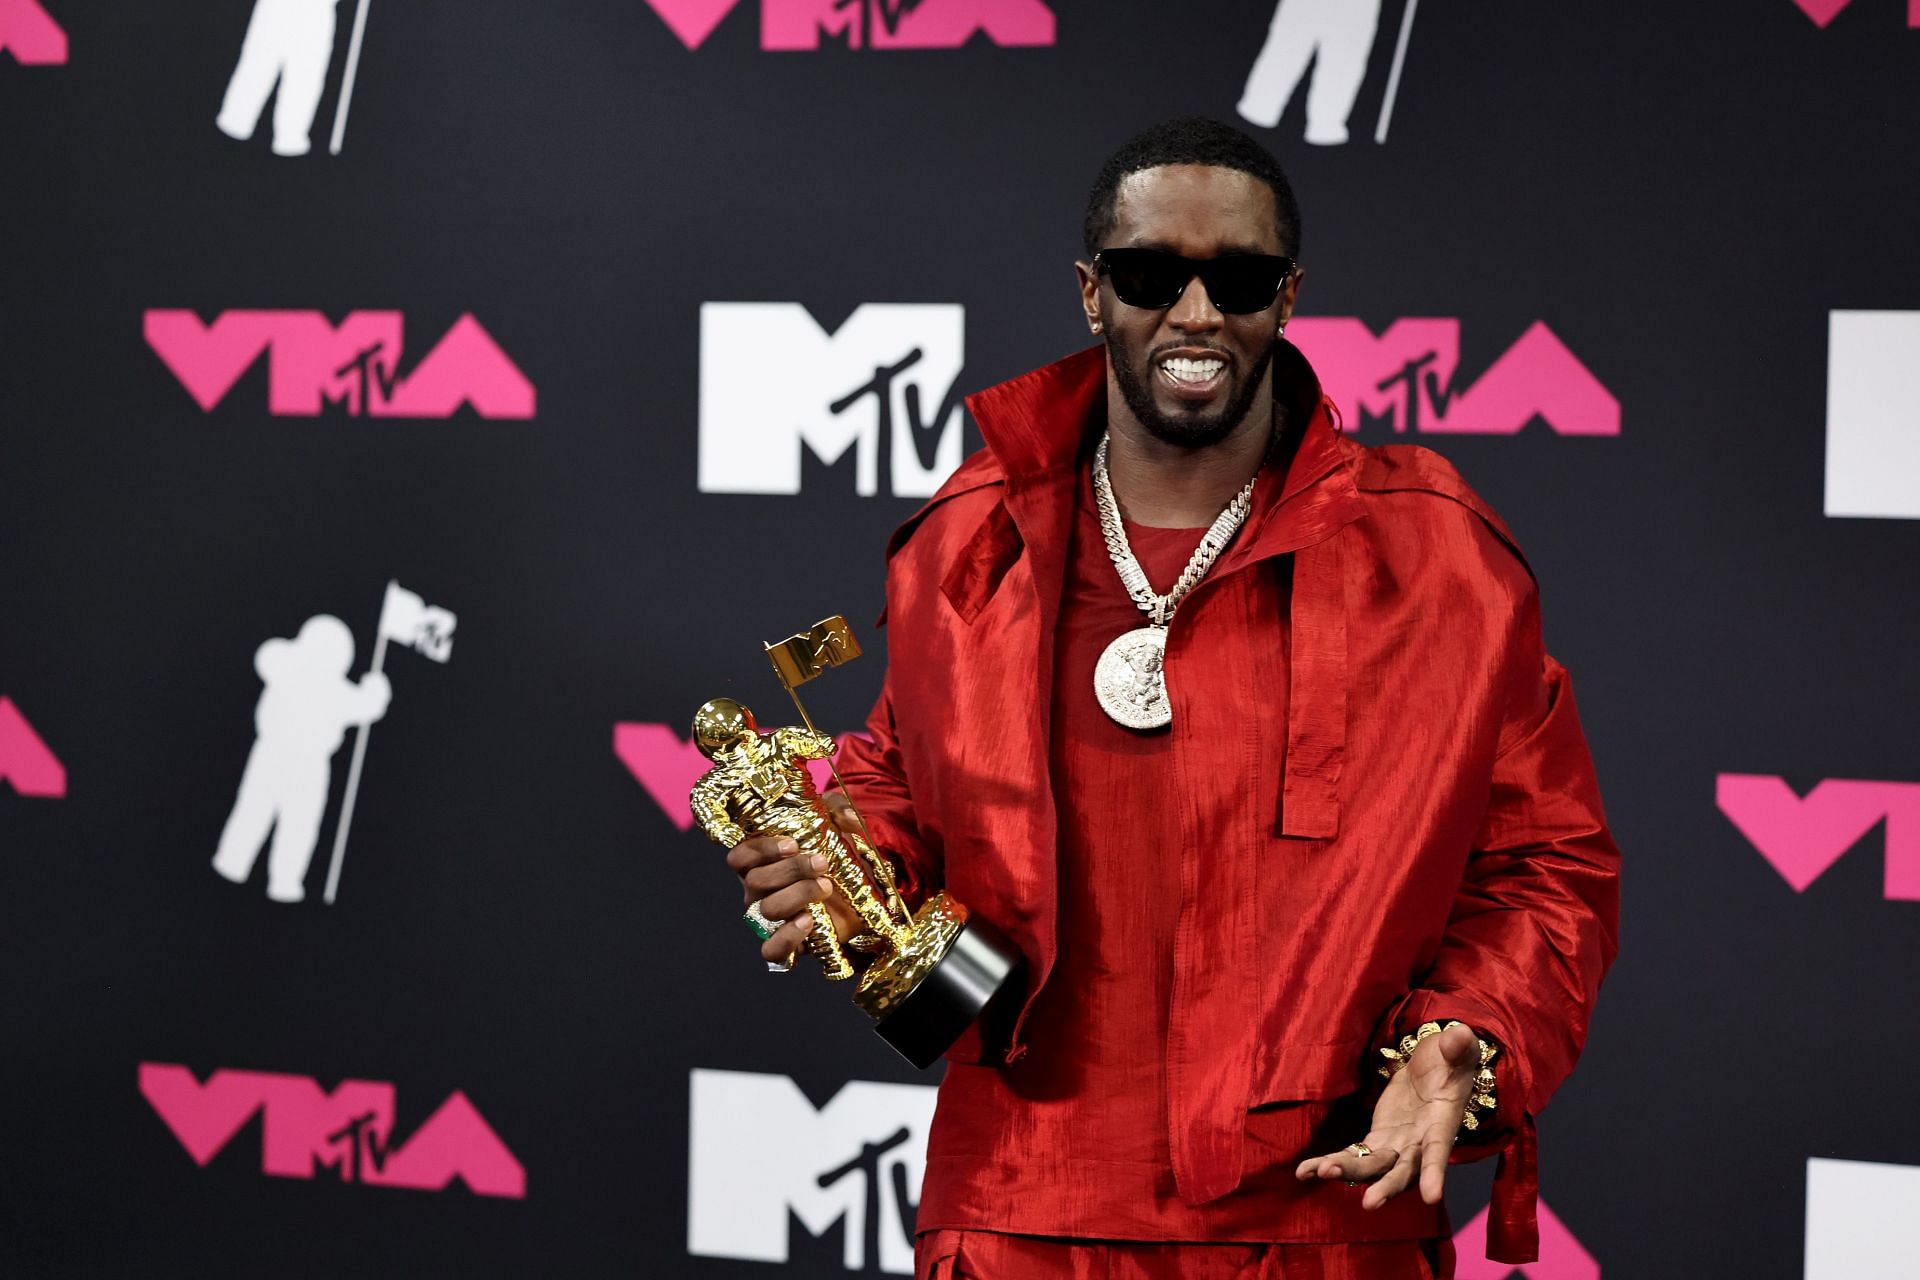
(1153, 278)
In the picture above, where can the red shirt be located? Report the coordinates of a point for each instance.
(1376, 798)
(1073, 1140)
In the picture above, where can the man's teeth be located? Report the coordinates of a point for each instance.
(1182, 369)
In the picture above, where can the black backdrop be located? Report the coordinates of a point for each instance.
(1681, 193)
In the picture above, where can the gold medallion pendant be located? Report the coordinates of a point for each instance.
(1130, 680)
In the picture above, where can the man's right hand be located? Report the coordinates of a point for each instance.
(775, 874)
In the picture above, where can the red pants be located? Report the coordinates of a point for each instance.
(990, 1255)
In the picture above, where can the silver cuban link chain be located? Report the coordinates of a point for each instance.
(1159, 608)
(1129, 680)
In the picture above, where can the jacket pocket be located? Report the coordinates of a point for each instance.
(1296, 1072)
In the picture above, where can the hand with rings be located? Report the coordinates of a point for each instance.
(1414, 1124)
(779, 885)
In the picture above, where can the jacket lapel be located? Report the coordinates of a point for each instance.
(1035, 426)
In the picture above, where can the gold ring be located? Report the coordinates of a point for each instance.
(1360, 1149)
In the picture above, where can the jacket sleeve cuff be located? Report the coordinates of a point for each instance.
(1513, 1234)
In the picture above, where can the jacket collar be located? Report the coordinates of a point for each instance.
(1041, 420)
(1051, 417)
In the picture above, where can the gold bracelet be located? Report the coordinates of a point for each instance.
(1480, 1103)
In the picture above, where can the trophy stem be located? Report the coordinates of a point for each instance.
(807, 720)
(891, 920)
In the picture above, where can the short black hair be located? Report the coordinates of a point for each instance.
(1191, 140)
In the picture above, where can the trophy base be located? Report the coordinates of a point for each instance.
(922, 998)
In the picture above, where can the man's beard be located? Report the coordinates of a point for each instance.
(1187, 431)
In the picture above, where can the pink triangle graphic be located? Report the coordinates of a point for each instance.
(692, 20)
(25, 759)
(1822, 11)
(663, 762)
(1562, 1256)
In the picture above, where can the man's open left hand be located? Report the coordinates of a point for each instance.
(1414, 1123)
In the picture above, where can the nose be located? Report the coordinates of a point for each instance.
(1194, 312)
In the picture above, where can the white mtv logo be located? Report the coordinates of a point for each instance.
(772, 382)
(1860, 1219)
(1873, 414)
(858, 1160)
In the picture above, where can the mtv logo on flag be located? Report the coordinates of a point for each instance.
(407, 619)
(827, 643)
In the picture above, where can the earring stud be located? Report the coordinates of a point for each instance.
(1097, 326)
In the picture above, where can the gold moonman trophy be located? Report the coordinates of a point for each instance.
(933, 971)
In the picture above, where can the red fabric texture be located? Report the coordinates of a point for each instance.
(1076, 1138)
(1397, 821)
(980, 1255)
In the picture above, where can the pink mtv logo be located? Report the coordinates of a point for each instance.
(668, 765)
(1407, 375)
(312, 362)
(25, 760)
(1803, 836)
(31, 35)
(1824, 11)
(869, 24)
(305, 1128)
(1562, 1257)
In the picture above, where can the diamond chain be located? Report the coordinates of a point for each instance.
(1159, 608)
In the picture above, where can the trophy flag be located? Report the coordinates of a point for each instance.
(799, 658)
(427, 629)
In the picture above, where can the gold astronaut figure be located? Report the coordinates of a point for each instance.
(760, 786)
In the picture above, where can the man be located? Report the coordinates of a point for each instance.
(1354, 813)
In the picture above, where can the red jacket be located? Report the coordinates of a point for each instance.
(1431, 820)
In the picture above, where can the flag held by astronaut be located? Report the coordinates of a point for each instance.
(799, 658)
(407, 619)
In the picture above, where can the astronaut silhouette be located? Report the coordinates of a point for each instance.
(290, 41)
(300, 720)
(1336, 36)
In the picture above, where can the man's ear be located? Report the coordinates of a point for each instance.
(1289, 292)
(1089, 293)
